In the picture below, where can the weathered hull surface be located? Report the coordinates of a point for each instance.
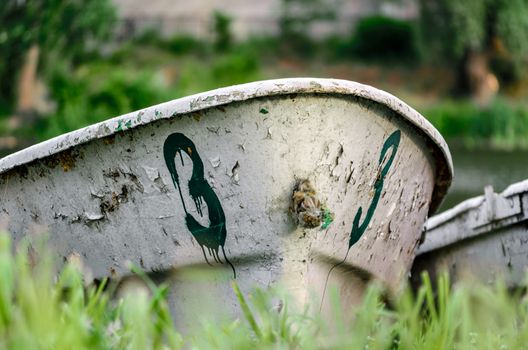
(483, 238)
(204, 184)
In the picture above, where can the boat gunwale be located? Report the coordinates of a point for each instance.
(515, 189)
(434, 226)
(239, 93)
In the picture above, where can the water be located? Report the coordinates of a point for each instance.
(475, 169)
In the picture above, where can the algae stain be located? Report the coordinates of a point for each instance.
(328, 218)
(122, 125)
(119, 126)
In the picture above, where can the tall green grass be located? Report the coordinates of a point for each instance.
(42, 309)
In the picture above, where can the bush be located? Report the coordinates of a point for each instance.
(235, 68)
(95, 93)
(298, 45)
(382, 38)
(223, 38)
(179, 44)
(98, 91)
(185, 44)
(499, 125)
(261, 47)
(223, 70)
(336, 48)
(296, 23)
(70, 28)
(149, 36)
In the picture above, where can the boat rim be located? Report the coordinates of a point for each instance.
(238, 93)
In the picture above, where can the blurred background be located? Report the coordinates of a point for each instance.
(65, 64)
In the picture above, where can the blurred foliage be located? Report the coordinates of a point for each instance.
(44, 309)
(185, 44)
(94, 92)
(337, 48)
(262, 48)
(99, 90)
(223, 38)
(296, 21)
(384, 39)
(502, 124)
(453, 29)
(222, 70)
(71, 27)
(89, 85)
(148, 36)
(472, 24)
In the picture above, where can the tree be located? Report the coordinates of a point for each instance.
(483, 38)
(67, 27)
(223, 38)
(296, 21)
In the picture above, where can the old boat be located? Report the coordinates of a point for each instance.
(202, 186)
(483, 238)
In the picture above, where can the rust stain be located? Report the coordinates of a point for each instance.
(306, 208)
(111, 204)
(23, 171)
(109, 140)
(20, 171)
(66, 159)
(196, 116)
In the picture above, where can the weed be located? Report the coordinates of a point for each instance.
(42, 309)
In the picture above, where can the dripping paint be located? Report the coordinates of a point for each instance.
(384, 164)
(212, 237)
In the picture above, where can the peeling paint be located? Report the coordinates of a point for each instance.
(152, 173)
(93, 216)
(215, 161)
(268, 134)
(111, 202)
(213, 130)
(234, 173)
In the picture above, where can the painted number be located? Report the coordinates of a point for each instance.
(212, 237)
(384, 164)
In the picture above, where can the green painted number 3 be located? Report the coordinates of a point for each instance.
(212, 237)
(393, 141)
